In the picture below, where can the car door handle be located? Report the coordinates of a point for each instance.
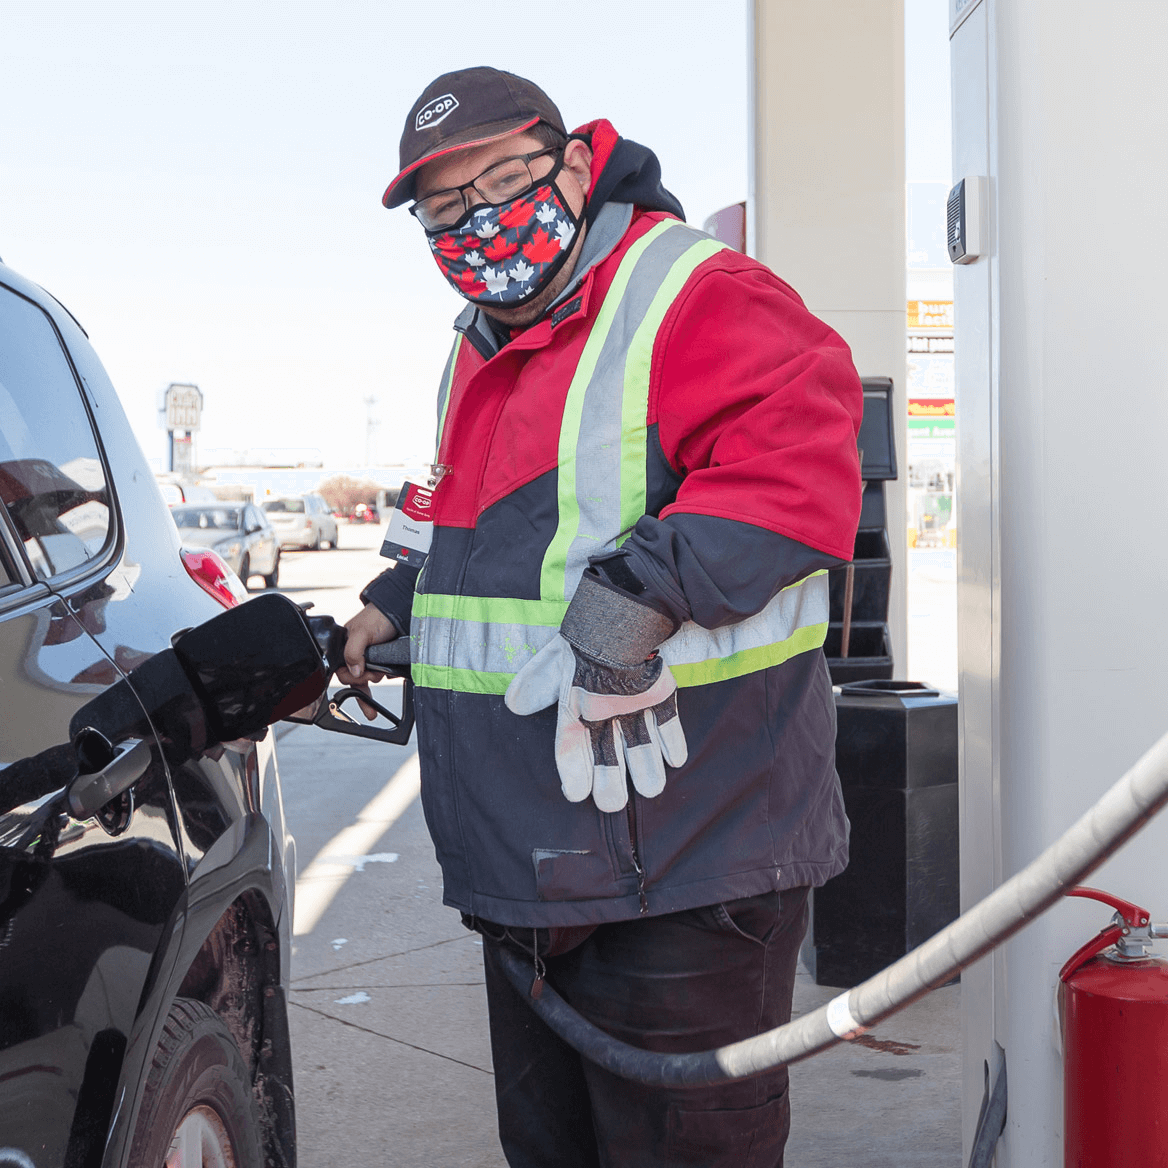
(89, 793)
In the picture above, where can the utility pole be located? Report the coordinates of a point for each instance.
(371, 424)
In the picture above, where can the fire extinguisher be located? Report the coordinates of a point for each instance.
(1113, 1002)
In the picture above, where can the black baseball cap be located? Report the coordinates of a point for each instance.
(466, 108)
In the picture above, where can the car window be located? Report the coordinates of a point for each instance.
(52, 482)
(213, 518)
(252, 518)
(284, 505)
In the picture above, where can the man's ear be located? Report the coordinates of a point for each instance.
(578, 163)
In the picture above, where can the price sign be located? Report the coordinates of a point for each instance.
(184, 407)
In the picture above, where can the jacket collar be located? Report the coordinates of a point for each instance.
(609, 229)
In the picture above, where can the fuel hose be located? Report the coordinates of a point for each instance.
(1102, 830)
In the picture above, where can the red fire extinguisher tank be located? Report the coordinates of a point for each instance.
(1114, 1008)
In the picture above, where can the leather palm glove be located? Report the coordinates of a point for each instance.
(616, 699)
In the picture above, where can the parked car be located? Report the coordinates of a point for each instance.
(365, 513)
(176, 489)
(171, 492)
(239, 532)
(302, 521)
(145, 867)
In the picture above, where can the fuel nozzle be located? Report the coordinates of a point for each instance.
(330, 640)
(391, 658)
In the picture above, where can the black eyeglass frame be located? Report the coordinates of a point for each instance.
(526, 159)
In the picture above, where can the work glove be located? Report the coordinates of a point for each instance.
(616, 699)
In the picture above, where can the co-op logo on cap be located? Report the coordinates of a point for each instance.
(439, 108)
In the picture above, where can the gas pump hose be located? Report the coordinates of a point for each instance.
(1102, 830)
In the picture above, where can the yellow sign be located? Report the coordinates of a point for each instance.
(931, 407)
(930, 314)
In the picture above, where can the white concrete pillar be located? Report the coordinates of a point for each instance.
(825, 207)
(1062, 388)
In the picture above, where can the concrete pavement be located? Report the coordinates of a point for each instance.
(388, 1010)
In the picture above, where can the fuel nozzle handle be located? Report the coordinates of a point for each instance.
(392, 657)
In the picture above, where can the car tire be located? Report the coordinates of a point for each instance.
(316, 542)
(198, 1097)
(245, 569)
(272, 580)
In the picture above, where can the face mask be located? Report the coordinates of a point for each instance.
(508, 253)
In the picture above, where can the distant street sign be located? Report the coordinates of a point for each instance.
(183, 405)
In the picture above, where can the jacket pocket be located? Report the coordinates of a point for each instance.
(573, 875)
(752, 918)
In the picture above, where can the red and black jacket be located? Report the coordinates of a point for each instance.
(753, 484)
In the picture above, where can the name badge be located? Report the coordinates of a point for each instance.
(407, 539)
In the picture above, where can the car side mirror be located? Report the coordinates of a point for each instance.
(252, 665)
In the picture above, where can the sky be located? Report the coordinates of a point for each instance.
(928, 154)
(200, 182)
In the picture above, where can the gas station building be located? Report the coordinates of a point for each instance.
(1036, 402)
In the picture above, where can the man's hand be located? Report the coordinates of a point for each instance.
(369, 627)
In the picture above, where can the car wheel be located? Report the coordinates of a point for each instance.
(272, 580)
(198, 1110)
(316, 542)
(336, 538)
(245, 568)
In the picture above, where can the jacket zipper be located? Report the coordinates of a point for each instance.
(631, 811)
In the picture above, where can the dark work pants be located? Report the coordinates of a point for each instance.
(683, 982)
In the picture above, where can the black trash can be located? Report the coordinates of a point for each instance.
(896, 753)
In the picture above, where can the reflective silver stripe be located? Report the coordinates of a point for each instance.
(481, 655)
(794, 622)
(793, 608)
(593, 432)
(482, 648)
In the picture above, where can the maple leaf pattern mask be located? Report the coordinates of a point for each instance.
(506, 253)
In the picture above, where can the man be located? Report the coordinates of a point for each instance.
(646, 463)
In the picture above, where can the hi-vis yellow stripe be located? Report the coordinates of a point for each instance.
(750, 660)
(491, 610)
(460, 680)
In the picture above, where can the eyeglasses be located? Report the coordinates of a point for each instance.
(496, 184)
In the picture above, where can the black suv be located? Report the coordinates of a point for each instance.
(146, 874)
